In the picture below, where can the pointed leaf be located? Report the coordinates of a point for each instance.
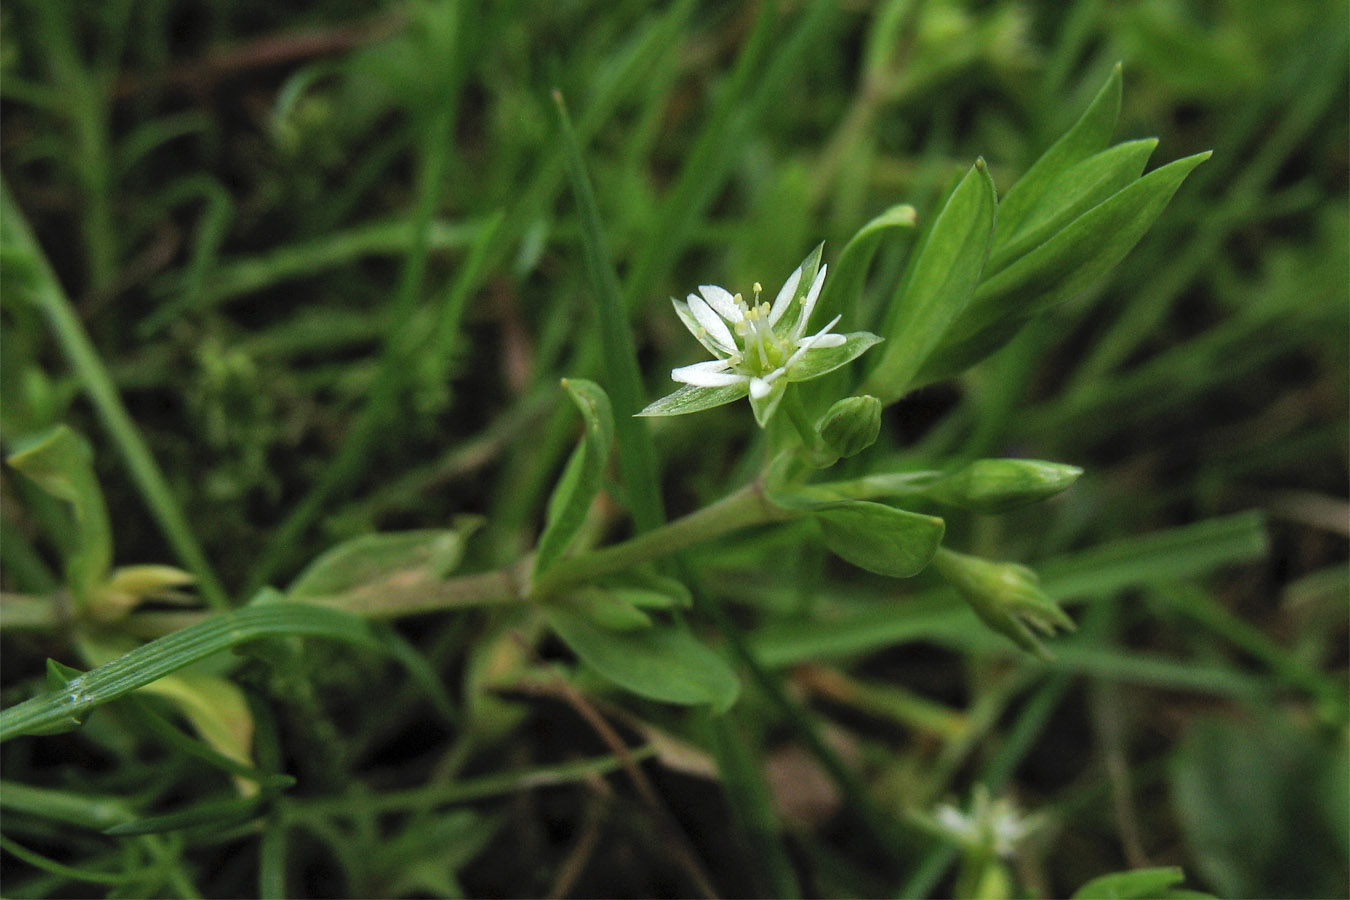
(845, 284)
(434, 552)
(1057, 270)
(1080, 188)
(880, 538)
(663, 663)
(581, 480)
(690, 399)
(939, 286)
(1088, 135)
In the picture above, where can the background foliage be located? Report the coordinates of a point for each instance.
(328, 258)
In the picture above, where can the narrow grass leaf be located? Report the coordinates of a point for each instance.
(172, 652)
(637, 458)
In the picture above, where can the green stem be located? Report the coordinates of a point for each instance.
(747, 506)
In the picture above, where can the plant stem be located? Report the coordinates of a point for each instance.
(747, 506)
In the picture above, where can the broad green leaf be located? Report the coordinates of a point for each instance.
(880, 538)
(361, 561)
(581, 479)
(1088, 135)
(664, 662)
(939, 286)
(1080, 188)
(845, 284)
(1140, 884)
(690, 399)
(62, 465)
(999, 485)
(1057, 270)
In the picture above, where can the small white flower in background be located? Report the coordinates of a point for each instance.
(760, 348)
(991, 826)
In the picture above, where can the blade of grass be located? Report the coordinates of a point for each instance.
(637, 458)
(93, 375)
(58, 710)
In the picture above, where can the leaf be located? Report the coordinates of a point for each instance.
(844, 287)
(581, 479)
(61, 463)
(1057, 270)
(375, 557)
(1140, 884)
(1080, 188)
(690, 399)
(880, 538)
(1088, 135)
(172, 652)
(940, 284)
(608, 609)
(664, 662)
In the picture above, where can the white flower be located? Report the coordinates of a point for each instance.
(995, 826)
(759, 348)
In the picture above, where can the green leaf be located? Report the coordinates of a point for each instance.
(880, 538)
(1088, 135)
(375, 557)
(1058, 269)
(172, 652)
(845, 285)
(581, 479)
(664, 662)
(62, 465)
(939, 285)
(690, 399)
(1140, 884)
(1080, 188)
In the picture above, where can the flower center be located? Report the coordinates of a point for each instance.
(762, 349)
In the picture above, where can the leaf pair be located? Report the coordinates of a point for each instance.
(986, 268)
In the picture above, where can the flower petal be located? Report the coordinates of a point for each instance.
(712, 323)
(785, 295)
(712, 373)
(720, 299)
(760, 387)
(826, 341)
(809, 302)
(698, 331)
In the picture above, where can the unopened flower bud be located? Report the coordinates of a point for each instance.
(851, 425)
(1006, 596)
(998, 485)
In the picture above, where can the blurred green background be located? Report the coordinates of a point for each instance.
(329, 256)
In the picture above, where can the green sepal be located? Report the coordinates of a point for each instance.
(809, 267)
(1007, 597)
(689, 399)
